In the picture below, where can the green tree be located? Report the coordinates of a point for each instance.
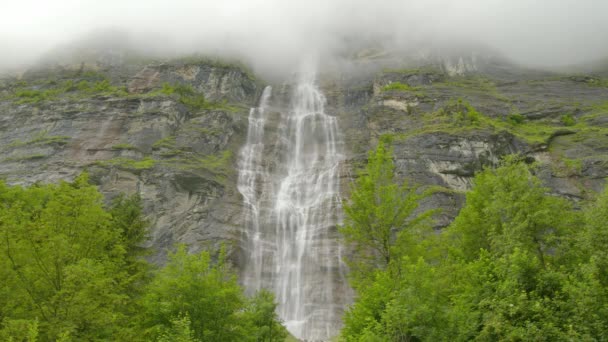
(514, 241)
(595, 237)
(126, 217)
(507, 208)
(178, 331)
(377, 212)
(587, 284)
(382, 228)
(72, 270)
(262, 312)
(64, 263)
(20, 330)
(518, 263)
(207, 293)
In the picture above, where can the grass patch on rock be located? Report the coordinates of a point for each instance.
(42, 138)
(166, 142)
(460, 117)
(52, 90)
(129, 164)
(193, 100)
(219, 164)
(472, 84)
(398, 86)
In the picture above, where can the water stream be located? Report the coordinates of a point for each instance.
(289, 179)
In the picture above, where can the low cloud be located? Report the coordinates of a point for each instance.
(275, 34)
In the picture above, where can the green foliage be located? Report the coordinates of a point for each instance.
(35, 96)
(129, 164)
(568, 120)
(193, 100)
(83, 86)
(72, 269)
(53, 90)
(19, 330)
(93, 75)
(191, 285)
(102, 87)
(193, 290)
(42, 138)
(126, 217)
(595, 237)
(167, 89)
(574, 165)
(509, 208)
(178, 331)
(186, 94)
(167, 142)
(63, 263)
(459, 116)
(377, 211)
(219, 164)
(262, 312)
(460, 113)
(517, 264)
(511, 235)
(566, 167)
(398, 86)
(91, 84)
(472, 84)
(516, 119)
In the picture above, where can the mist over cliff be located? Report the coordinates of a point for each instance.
(272, 36)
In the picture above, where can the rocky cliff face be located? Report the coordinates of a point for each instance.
(169, 144)
(146, 128)
(445, 126)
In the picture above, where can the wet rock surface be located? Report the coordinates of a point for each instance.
(131, 138)
(445, 126)
(446, 121)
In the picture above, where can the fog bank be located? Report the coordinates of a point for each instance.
(274, 34)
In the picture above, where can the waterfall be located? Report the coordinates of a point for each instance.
(292, 209)
(251, 172)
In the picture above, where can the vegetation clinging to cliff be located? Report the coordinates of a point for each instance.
(193, 100)
(516, 264)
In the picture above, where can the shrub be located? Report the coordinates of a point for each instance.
(398, 86)
(465, 113)
(568, 120)
(516, 118)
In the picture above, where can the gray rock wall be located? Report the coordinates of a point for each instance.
(182, 159)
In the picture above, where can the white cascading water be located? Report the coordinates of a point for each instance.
(251, 173)
(292, 210)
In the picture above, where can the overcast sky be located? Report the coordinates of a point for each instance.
(534, 32)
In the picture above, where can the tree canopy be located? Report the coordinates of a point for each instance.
(379, 215)
(71, 269)
(518, 263)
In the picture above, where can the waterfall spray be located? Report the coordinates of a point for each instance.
(292, 211)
